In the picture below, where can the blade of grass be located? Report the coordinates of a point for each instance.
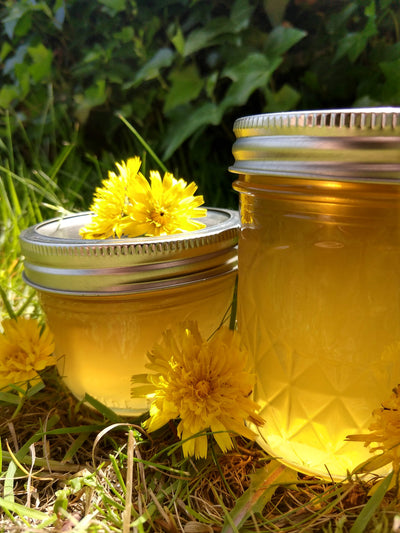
(8, 486)
(118, 473)
(229, 523)
(369, 509)
(58, 163)
(146, 146)
(56, 466)
(232, 323)
(103, 409)
(12, 194)
(9, 140)
(7, 304)
(9, 398)
(35, 438)
(33, 185)
(76, 445)
(23, 511)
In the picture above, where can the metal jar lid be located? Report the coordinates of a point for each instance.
(58, 260)
(342, 144)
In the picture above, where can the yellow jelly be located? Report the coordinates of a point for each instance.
(319, 278)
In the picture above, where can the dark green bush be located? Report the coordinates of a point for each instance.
(181, 71)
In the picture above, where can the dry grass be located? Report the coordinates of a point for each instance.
(70, 468)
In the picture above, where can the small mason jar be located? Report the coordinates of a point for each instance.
(108, 302)
(319, 277)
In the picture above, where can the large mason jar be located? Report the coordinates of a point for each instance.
(319, 277)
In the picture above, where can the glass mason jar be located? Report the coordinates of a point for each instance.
(319, 277)
(109, 301)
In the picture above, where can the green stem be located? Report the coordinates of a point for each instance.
(232, 322)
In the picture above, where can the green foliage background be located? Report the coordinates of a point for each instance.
(180, 72)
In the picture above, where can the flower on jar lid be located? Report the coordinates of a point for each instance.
(129, 205)
(204, 383)
(25, 349)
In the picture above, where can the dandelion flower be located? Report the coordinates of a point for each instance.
(162, 207)
(129, 205)
(109, 202)
(384, 432)
(204, 383)
(25, 350)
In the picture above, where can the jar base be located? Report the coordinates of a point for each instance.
(322, 464)
(135, 408)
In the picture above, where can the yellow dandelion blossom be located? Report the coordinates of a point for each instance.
(162, 207)
(384, 435)
(25, 350)
(204, 383)
(129, 205)
(109, 203)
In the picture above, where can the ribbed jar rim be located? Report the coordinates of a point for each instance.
(360, 144)
(58, 260)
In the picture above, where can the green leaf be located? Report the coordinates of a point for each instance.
(370, 28)
(5, 50)
(211, 83)
(42, 58)
(23, 25)
(187, 123)
(114, 5)
(281, 39)
(391, 88)
(337, 22)
(240, 15)
(369, 509)
(391, 70)
(204, 37)
(7, 94)
(17, 59)
(126, 34)
(275, 10)
(94, 96)
(16, 13)
(352, 45)
(150, 70)
(283, 100)
(59, 13)
(250, 74)
(22, 74)
(186, 85)
(178, 40)
(18, 20)
(264, 482)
